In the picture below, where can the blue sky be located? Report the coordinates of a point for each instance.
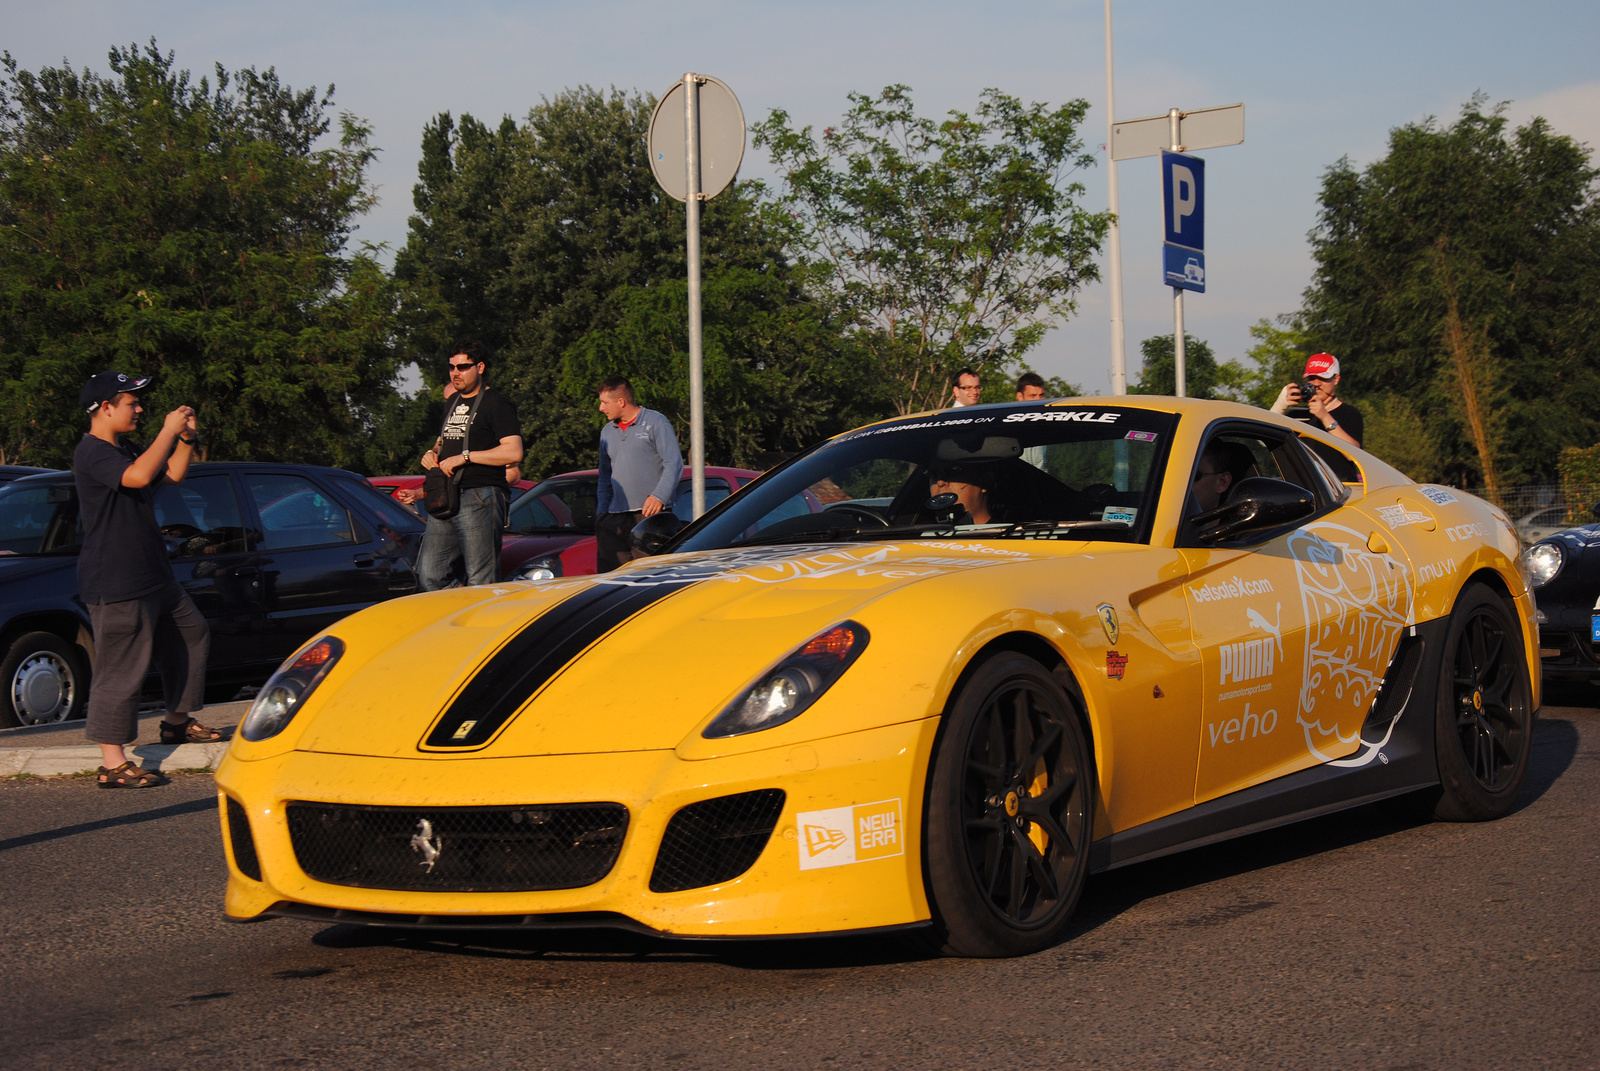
(1319, 81)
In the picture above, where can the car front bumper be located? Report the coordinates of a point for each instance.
(788, 889)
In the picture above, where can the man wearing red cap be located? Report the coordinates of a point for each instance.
(1339, 419)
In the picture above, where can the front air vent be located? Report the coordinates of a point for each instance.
(244, 845)
(715, 840)
(525, 848)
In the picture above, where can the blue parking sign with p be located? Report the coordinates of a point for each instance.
(1183, 185)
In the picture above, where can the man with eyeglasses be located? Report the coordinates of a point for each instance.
(481, 436)
(1222, 465)
(966, 388)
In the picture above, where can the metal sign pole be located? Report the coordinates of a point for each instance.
(693, 203)
(1174, 117)
(1119, 359)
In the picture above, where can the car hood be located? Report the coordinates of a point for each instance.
(17, 567)
(631, 660)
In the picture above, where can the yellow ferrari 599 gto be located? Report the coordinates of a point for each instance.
(930, 674)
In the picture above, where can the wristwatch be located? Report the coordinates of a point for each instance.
(1330, 427)
(466, 457)
(188, 442)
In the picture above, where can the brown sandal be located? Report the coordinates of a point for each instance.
(129, 776)
(190, 732)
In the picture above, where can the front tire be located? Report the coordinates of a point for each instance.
(1010, 811)
(1484, 728)
(44, 679)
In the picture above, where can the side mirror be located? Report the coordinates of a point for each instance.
(1594, 511)
(653, 533)
(1256, 505)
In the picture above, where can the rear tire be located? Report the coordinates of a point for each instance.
(1010, 813)
(1484, 728)
(43, 679)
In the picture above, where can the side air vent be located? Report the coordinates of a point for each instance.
(244, 845)
(715, 840)
(1397, 686)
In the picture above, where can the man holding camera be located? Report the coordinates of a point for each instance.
(1318, 393)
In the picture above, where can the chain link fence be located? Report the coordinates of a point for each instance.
(1539, 509)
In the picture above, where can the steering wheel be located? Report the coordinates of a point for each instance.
(864, 517)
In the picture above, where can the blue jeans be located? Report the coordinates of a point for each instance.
(472, 535)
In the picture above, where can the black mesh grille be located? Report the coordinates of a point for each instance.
(244, 845)
(715, 840)
(458, 849)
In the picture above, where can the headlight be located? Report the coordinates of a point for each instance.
(288, 688)
(791, 686)
(537, 569)
(1542, 562)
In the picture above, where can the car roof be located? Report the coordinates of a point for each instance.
(202, 467)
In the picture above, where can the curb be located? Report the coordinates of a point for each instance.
(65, 761)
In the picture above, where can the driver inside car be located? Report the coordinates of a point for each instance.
(970, 484)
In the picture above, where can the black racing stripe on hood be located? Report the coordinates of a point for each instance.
(536, 654)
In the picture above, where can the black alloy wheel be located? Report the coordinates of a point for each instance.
(1010, 812)
(1485, 713)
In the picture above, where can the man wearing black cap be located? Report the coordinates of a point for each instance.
(136, 606)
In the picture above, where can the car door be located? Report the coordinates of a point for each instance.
(315, 564)
(1271, 625)
(205, 535)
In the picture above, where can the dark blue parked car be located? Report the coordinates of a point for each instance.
(271, 554)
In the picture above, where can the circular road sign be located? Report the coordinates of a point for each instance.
(721, 139)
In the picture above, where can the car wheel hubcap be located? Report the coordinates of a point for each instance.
(42, 689)
(1490, 704)
(1023, 804)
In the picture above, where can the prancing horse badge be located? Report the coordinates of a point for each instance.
(1108, 621)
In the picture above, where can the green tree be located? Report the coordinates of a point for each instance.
(194, 230)
(551, 241)
(1203, 376)
(1461, 272)
(941, 244)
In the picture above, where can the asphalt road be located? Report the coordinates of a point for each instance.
(1354, 941)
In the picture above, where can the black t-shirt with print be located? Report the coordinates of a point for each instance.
(123, 555)
(1349, 418)
(496, 419)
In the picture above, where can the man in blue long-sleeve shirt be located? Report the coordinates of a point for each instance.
(640, 465)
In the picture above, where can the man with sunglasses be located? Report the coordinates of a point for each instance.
(481, 436)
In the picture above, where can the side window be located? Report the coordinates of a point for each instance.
(1344, 468)
(296, 512)
(200, 516)
(683, 505)
(388, 510)
(1230, 457)
(39, 519)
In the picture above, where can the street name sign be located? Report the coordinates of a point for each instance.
(1205, 128)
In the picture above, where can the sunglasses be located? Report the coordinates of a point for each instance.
(462, 367)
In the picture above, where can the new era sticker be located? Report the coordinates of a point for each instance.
(855, 834)
(1437, 495)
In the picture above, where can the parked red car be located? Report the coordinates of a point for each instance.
(551, 530)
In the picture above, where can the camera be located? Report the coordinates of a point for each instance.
(1308, 390)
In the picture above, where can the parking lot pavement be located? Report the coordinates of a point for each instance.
(60, 749)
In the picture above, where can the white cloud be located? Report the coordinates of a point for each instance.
(1574, 111)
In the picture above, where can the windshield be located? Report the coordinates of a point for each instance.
(39, 518)
(559, 504)
(1024, 472)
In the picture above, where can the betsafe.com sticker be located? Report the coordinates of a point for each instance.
(857, 834)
